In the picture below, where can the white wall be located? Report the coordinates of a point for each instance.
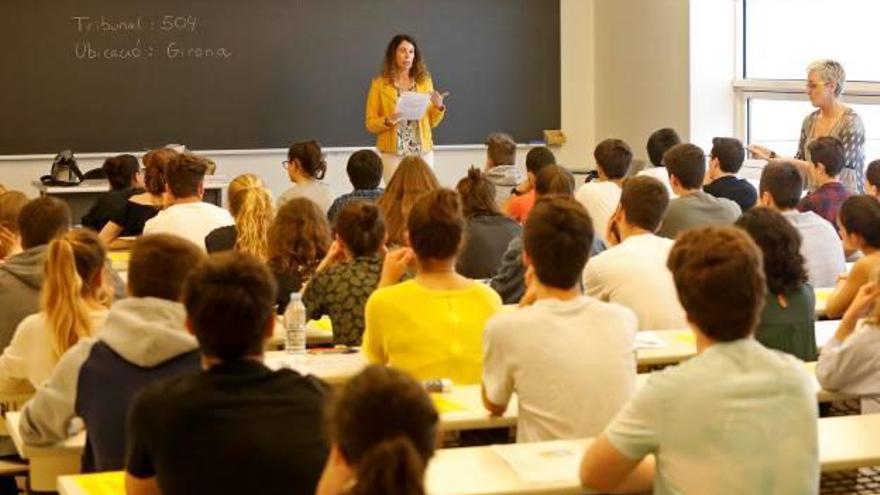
(641, 69)
(450, 164)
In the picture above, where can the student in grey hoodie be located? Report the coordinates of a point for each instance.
(501, 168)
(144, 339)
(21, 275)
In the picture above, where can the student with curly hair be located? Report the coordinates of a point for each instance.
(306, 167)
(251, 206)
(787, 321)
(298, 240)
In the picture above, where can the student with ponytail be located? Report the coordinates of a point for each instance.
(430, 326)
(306, 167)
(251, 206)
(390, 458)
(488, 230)
(73, 305)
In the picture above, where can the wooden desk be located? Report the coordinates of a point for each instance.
(47, 463)
(462, 409)
(81, 197)
(846, 442)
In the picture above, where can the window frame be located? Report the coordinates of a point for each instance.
(856, 92)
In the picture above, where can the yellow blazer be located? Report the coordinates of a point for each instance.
(382, 101)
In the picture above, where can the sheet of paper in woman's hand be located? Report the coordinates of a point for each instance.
(412, 105)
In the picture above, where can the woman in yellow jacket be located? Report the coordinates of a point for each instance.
(402, 70)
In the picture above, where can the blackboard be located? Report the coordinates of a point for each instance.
(120, 75)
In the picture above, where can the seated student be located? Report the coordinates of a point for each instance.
(130, 219)
(349, 273)
(143, 340)
(522, 197)
(736, 418)
(501, 169)
(299, 238)
(827, 159)
(633, 271)
(872, 179)
(123, 174)
(488, 230)
(186, 215)
(725, 160)
(601, 196)
(859, 221)
(390, 457)
(250, 204)
(73, 305)
(306, 167)
(412, 178)
(787, 322)
(11, 203)
(848, 362)
(237, 426)
(364, 169)
(686, 165)
(569, 359)
(659, 142)
(781, 187)
(509, 281)
(21, 275)
(430, 326)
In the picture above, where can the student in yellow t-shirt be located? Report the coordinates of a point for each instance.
(430, 326)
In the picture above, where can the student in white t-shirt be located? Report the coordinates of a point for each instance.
(633, 271)
(736, 418)
(187, 215)
(569, 358)
(601, 196)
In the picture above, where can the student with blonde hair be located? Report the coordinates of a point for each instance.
(11, 203)
(251, 206)
(73, 305)
(130, 219)
(412, 178)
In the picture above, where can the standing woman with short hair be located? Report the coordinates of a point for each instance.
(74, 304)
(825, 81)
(403, 70)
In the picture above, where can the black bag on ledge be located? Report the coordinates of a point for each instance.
(65, 171)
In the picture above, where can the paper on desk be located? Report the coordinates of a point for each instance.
(412, 105)
(649, 340)
(446, 405)
(112, 483)
(544, 462)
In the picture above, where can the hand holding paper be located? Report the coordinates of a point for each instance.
(412, 105)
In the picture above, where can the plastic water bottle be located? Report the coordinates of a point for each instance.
(295, 325)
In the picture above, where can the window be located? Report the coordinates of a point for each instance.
(780, 38)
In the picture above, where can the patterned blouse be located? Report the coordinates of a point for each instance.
(341, 292)
(850, 130)
(408, 140)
